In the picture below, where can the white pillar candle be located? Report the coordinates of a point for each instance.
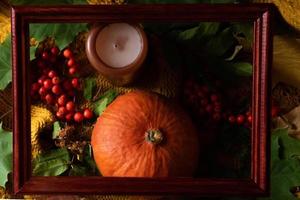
(119, 44)
(117, 51)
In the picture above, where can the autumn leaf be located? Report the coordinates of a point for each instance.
(5, 155)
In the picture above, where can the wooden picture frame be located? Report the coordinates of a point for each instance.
(256, 185)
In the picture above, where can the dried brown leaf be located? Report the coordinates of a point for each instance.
(291, 121)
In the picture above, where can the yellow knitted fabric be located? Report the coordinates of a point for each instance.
(162, 80)
(40, 118)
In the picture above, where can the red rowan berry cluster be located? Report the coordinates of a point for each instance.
(59, 90)
(204, 101)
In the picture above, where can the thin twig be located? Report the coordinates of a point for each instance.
(2, 116)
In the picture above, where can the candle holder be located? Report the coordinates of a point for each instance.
(118, 75)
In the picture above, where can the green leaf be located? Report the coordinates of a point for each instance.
(63, 33)
(285, 174)
(89, 85)
(189, 33)
(285, 167)
(282, 182)
(201, 32)
(78, 170)
(240, 68)
(288, 147)
(5, 155)
(221, 43)
(56, 129)
(5, 63)
(104, 101)
(52, 163)
(275, 145)
(89, 161)
(246, 29)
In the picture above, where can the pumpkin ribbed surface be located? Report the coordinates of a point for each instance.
(142, 134)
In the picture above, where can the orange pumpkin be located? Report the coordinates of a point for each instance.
(142, 134)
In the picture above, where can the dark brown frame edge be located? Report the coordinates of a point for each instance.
(257, 185)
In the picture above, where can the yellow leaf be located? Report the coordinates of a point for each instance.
(289, 10)
(5, 27)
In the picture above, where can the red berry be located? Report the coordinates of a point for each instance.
(205, 89)
(187, 91)
(49, 99)
(275, 111)
(240, 119)
(249, 118)
(72, 70)
(47, 84)
(204, 102)
(52, 73)
(46, 71)
(218, 108)
(231, 119)
(56, 89)
(52, 59)
(35, 86)
(45, 55)
(88, 114)
(32, 93)
(67, 85)
(42, 91)
(69, 117)
(41, 64)
(189, 83)
(59, 115)
(41, 79)
(67, 53)
(55, 80)
(192, 98)
(214, 98)
(248, 113)
(75, 82)
(71, 62)
(216, 116)
(71, 93)
(62, 100)
(209, 108)
(201, 111)
(70, 106)
(62, 110)
(54, 50)
(200, 93)
(78, 117)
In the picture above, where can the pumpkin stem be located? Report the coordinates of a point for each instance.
(154, 136)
